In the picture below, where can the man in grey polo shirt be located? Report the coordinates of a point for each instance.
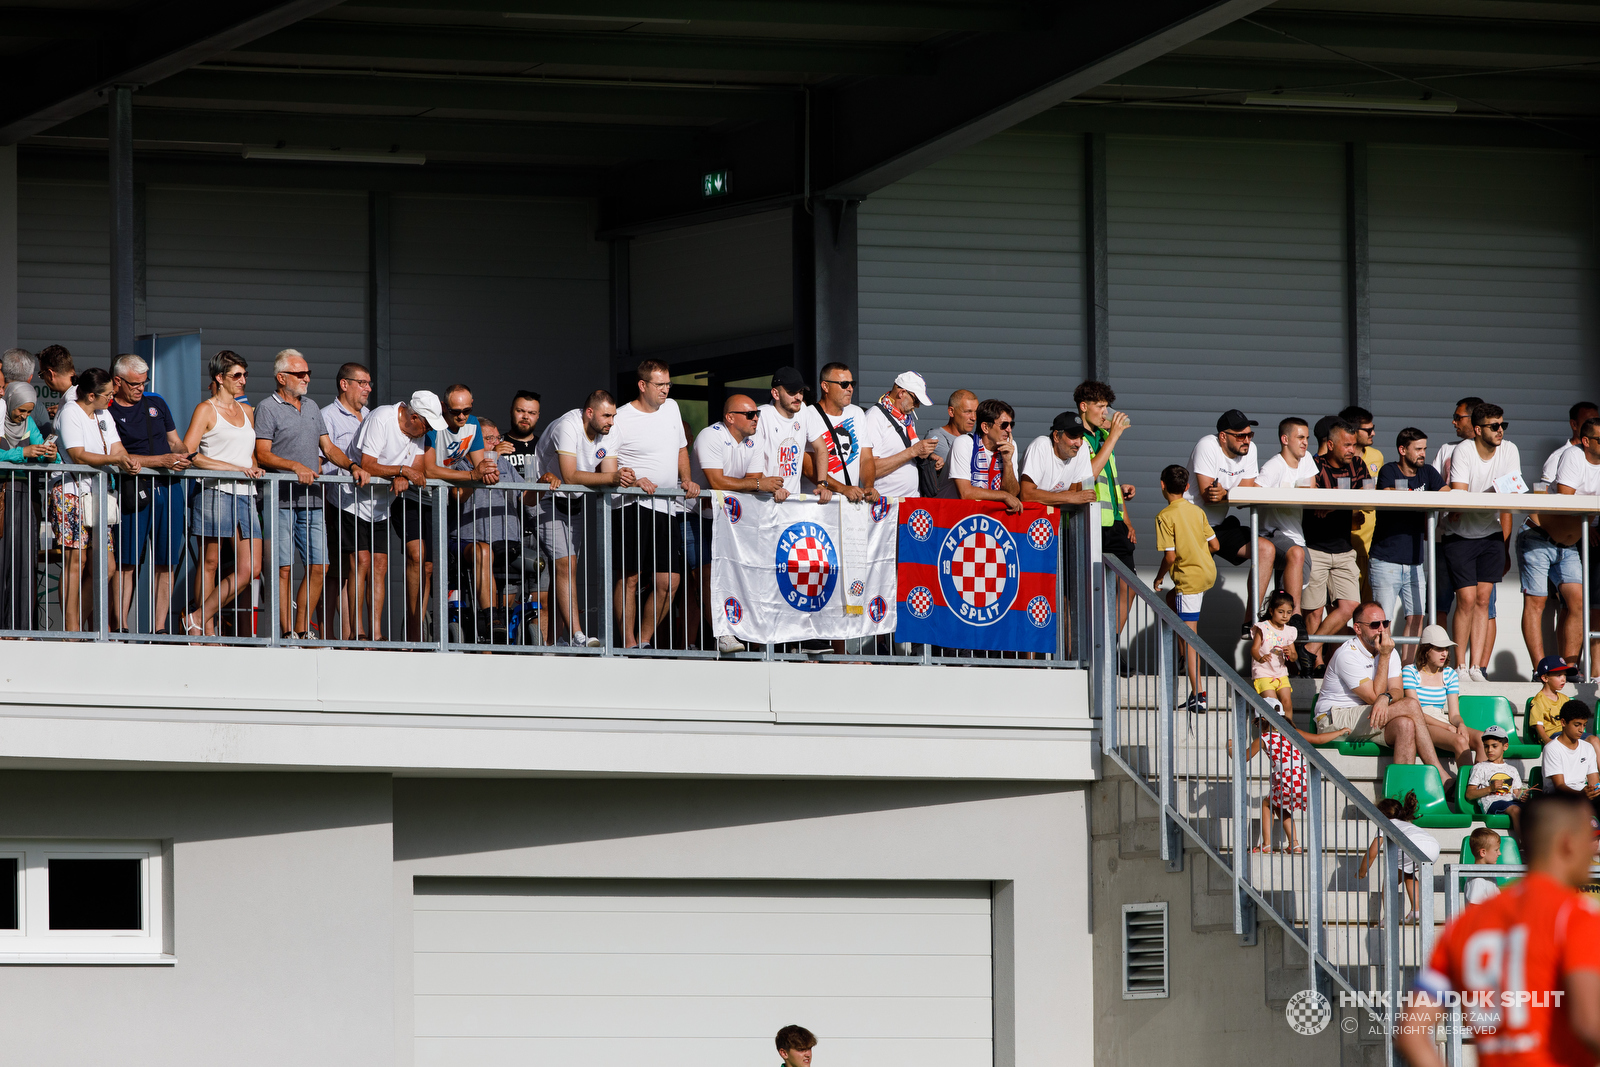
(291, 436)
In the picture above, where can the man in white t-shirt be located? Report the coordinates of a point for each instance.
(1461, 423)
(1577, 415)
(838, 424)
(891, 433)
(781, 437)
(1294, 465)
(648, 437)
(1580, 475)
(1219, 463)
(1361, 692)
(574, 451)
(983, 463)
(1056, 468)
(1568, 760)
(1477, 544)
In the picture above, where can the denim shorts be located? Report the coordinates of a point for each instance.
(1397, 581)
(301, 530)
(164, 517)
(1544, 563)
(219, 514)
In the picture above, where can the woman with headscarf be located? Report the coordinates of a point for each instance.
(19, 520)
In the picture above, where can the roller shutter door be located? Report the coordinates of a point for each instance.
(259, 271)
(1226, 286)
(712, 282)
(502, 293)
(62, 286)
(700, 974)
(1483, 283)
(970, 273)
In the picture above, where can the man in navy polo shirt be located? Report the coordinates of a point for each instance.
(153, 504)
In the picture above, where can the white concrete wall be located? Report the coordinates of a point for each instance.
(1030, 840)
(281, 925)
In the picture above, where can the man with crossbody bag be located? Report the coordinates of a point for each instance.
(839, 425)
(900, 464)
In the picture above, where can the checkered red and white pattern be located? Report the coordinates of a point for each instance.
(978, 569)
(808, 566)
(1039, 611)
(920, 601)
(1040, 533)
(1289, 792)
(921, 523)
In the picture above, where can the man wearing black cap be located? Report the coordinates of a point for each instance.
(1056, 467)
(1219, 463)
(781, 437)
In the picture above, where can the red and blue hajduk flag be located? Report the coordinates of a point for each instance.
(972, 576)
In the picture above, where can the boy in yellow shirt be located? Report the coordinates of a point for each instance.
(1544, 707)
(1187, 542)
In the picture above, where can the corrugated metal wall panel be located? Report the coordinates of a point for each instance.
(1483, 283)
(63, 267)
(502, 293)
(712, 282)
(258, 271)
(970, 273)
(1226, 291)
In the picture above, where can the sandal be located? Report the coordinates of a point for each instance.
(192, 629)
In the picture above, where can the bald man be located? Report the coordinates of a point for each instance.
(963, 411)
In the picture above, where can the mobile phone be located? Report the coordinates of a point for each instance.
(50, 441)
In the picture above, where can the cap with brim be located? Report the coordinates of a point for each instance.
(1494, 732)
(1068, 423)
(912, 383)
(1556, 665)
(1234, 420)
(1437, 636)
(426, 403)
(789, 379)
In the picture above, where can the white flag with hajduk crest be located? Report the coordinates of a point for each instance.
(782, 572)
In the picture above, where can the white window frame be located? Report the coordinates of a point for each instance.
(34, 942)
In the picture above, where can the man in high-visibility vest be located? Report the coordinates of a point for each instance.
(1104, 426)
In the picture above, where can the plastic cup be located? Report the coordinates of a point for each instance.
(1344, 483)
(1402, 484)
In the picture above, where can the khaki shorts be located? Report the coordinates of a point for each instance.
(1356, 718)
(1333, 576)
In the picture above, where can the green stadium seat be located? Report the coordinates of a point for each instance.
(1480, 711)
(1494, 822)
(1530, 736)
(1432, 808)
(1509, 853)
(1536, 778)
(1363, 748)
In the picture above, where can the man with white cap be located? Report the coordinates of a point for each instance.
(891, 435)
(390, 444)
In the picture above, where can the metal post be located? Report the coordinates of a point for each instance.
(441, 570)
(1252, 596)
(1315, 905)
(1432, 592)
(1453, 1015)
(1391, 939)
(1061, 588)
(1588, 665)
(119, 129)
(608, 593)
(99, 544)
(1241, 814)
(1166, 754)
(269, 561)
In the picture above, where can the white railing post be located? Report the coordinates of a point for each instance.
(1315, 877)
(441, 570)
(1454, 1018)
(1391, 942)
(269, 559)
(608, 634)
(1243, 905)
(1588, 593)
(1252, 596)
(1432, 592)
(1167, 755)
(99, 546)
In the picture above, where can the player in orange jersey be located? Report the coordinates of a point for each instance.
(1526, 963)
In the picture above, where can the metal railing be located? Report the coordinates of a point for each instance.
(217, 557)
(1198, 768)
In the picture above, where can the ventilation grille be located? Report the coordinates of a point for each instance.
(1144, 951)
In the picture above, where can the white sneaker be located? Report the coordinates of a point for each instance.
(729, 645)
(580, 640)
(1476, 674)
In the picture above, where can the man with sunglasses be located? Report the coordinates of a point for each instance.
(723, 453)
(837, 424)
(291, 437)
(1579, 474)
(983, 463)
(351, 549)
(1477, 544)
(1220, 462)
(1362, 693)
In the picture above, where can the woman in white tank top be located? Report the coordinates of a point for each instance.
(222, 432)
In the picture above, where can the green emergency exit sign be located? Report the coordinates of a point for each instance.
(718, 183)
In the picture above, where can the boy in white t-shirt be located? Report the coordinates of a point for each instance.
(1294, 465)
(1569, 761)
(1056, 468)
(1485, 845)
(1495, 786)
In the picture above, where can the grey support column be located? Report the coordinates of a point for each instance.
(1357, 260)
(8, 246)
(827, 306)
(1096, 275)
(378, 210)
(622, 318)
(119, 126)
(141, 286)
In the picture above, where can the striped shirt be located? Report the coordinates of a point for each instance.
(1433, 698)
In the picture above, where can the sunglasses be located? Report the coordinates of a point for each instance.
(1379, 624)
(845, 384)
(296, 373)
(1366, 429)
(751, 415)
(458, 411)
(1495, 425)
(1243, 435)
(1005, 425)
(237, 376)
